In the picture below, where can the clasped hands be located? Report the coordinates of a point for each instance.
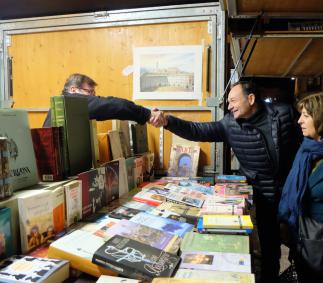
(157, 118)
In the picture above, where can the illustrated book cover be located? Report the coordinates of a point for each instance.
(22, 163)
(183, 160)
(6, 244)
(234, 262)
(193, 241)
(73, 201)
(134, 259)
(165, 224)
(112, 180)
(30, 269)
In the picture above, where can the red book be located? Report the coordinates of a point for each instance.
(47, 144)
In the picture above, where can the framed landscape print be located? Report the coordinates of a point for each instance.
(168, 72)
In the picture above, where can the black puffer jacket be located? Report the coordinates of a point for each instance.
(249, 145)
(106, 108)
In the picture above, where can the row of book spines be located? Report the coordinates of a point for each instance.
(58, 120)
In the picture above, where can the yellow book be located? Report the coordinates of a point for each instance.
(227, 221)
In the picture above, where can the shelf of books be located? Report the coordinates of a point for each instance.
(98, 220)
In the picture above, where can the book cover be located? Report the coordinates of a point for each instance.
(104, 148)
(94, 143)
(58, 206)
(112, 180)
(5, 181)
(123, 178)
(138, 168)
(6, 244)
(130, 173)
(183, 160)
(30, 269)
(73, 201)
(114, 279)
(215, 243)
(36, 218)
(172, 215)
(223, 205)
(233, 189)
(181, 209)
(145, 234)
(165, 224)
(139, 138)
(78, 248)
(185, 199)
(93, 190)
(134, 259)
(230, 179)
(227, 221)
(235, 231)
(22, 163)
(218, 276)
(123, 127)
(47, 144)
(123, 212)
(149, 198)
(216, 261)
(138, 205)
(115, 144)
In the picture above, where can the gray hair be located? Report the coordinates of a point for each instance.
(78, 80)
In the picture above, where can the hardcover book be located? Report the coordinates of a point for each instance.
(218, 276)
(165, 224)
(112, 180)
(73, 201)
(93, 190)
(139, 138)
(145, 234)
(183, 160)
(216, 261)
(71, 112)
(215, 243)
(6, 245)
(48, 147)
(22, 163)
(30, 269)
(134, 259)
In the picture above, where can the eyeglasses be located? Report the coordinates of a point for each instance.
(88, 91)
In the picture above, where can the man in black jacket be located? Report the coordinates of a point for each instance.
(264, 139)
(104, 108)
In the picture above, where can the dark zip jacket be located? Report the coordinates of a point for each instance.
(265, 173)
(107, 108)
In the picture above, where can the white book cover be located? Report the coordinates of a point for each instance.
(236, 262)
(123, 178)
(22, 163)
(114, 279)
(35, 217)
(73, 201)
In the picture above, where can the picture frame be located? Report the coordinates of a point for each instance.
(168, 72)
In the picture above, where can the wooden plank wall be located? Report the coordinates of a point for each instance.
(42, 62)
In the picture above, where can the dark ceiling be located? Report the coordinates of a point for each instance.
(13, 9)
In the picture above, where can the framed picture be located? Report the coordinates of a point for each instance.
(168, 72)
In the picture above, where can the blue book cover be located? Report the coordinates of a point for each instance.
(165, 224)
(6, 245)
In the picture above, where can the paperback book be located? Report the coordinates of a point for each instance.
(234, 262)
(6, 245)
(30, 269)
(134, 259)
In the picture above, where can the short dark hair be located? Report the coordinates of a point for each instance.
(248, 87)
(78, 80)
(314, 106)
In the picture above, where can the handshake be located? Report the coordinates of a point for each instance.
(157, 118)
